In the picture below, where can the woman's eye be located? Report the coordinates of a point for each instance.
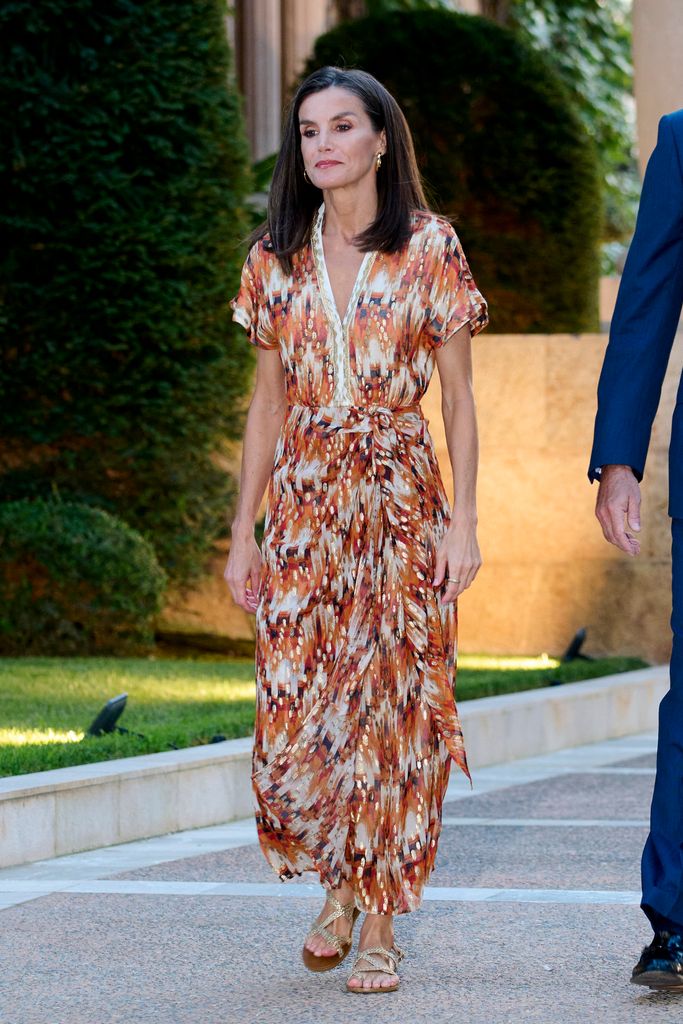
(344, 126)
(308, 133)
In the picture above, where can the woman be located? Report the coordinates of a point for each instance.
(351, 292)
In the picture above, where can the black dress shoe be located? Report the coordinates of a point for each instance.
(661, 963)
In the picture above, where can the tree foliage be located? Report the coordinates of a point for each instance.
(123, 174)
(502, 151)
(590, 43)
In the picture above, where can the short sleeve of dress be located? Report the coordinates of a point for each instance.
(250, 305)
(454, 299)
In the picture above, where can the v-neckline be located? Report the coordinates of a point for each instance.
(324, 283)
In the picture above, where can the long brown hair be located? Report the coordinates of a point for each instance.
(293, 201)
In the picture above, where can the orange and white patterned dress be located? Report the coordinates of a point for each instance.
(356, 721)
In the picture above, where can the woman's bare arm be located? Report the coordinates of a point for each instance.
(458, 555)
(264, 422)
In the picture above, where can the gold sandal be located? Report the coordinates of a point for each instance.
(341, 944)
(393, 955)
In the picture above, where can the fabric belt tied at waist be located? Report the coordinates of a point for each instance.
(384, 422)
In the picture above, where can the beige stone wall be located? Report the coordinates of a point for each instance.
(609, 289)
(209, 609)
(547, 569)
(657, 47)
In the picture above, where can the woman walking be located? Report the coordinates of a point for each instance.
(353, 291)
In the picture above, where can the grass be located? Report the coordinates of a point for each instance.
(46, 704)
(481, 675)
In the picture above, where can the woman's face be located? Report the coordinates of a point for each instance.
(339, 145)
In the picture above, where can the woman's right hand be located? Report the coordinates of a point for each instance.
(243, 572)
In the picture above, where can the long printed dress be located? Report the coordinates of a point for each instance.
(356, 722)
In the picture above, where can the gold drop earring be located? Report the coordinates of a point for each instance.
(306, 178)
(378, 161)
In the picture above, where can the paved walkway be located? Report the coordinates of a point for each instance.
(532, 916)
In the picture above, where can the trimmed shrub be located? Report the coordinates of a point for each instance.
(124, 175)
(74, 580)
(503, 153)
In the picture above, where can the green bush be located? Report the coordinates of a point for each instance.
(503, 153)
(74, 580)
(124, 177)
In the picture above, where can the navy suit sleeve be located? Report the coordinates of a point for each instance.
(647, 312)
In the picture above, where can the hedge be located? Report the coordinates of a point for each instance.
(74, 580)
(503, 152)
(124, 175)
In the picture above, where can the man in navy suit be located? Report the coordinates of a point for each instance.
(645, 319)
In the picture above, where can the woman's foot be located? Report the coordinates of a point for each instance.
(342, 926)
(377, 932)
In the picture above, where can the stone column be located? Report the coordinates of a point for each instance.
(262, 73)
(302, 22)
(658, 60)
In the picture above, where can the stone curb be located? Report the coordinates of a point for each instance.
(67, 810)
(533, 722)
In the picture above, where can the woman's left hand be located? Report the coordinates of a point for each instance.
(457, 558)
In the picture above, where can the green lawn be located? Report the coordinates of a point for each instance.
(46, 704)
(481, 675)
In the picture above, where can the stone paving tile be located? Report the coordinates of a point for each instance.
(646, 761)
(469, 855)
(553, 858)
(574, 795)
(501, 856)
(214, 959)
(207, 960)
(246, 864)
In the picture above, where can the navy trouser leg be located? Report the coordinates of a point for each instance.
(662, 863)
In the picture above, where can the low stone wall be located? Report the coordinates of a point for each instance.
(48, 814)
(547, 570)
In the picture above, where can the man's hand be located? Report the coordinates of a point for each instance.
(618, 507)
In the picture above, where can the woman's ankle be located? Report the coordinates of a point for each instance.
(344, 892)
(379, 926)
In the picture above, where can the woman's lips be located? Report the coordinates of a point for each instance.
(327, 163)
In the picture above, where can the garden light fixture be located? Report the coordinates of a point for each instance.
(107, 718)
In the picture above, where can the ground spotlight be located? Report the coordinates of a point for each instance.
(574, 650)
(107, 718)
